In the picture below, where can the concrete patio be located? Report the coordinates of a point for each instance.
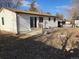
(31, 33)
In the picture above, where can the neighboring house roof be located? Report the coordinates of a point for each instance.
(68, 20)
(28, 12)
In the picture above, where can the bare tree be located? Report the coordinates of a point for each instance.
(73, 16)
(48, 13)
(10, 3)
(74, 11)
(60, 16)
(33, 6)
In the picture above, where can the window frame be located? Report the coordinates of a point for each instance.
(49, 18)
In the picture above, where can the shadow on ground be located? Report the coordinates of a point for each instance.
(14, 48)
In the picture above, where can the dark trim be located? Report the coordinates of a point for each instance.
(40, 19)
(54, 19)
(2, 20)
(33, 22)
(49, 18)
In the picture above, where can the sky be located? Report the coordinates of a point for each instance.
(52, 6)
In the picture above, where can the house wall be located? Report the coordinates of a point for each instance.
(10, 24)
(23, 23)
(50, 23)
(76, 22)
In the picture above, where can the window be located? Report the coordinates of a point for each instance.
(2, 20)
(40, 19)
(54, 19)
(49, 18)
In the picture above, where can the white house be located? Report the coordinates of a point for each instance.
(77, 21)
(19, 21)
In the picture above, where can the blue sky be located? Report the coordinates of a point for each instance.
(53, 6)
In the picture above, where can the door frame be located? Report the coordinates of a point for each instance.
(33, 22)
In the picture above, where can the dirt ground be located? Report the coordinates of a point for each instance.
(47, 46)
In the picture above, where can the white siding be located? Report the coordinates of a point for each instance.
(24, 23)
(9, 21)
(37, 22)
(77, 22)
(51, 23)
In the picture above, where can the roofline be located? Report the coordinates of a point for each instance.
(26, 12)
(1, 9)
(37, 14)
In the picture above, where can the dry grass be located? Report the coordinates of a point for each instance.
(53, 39)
